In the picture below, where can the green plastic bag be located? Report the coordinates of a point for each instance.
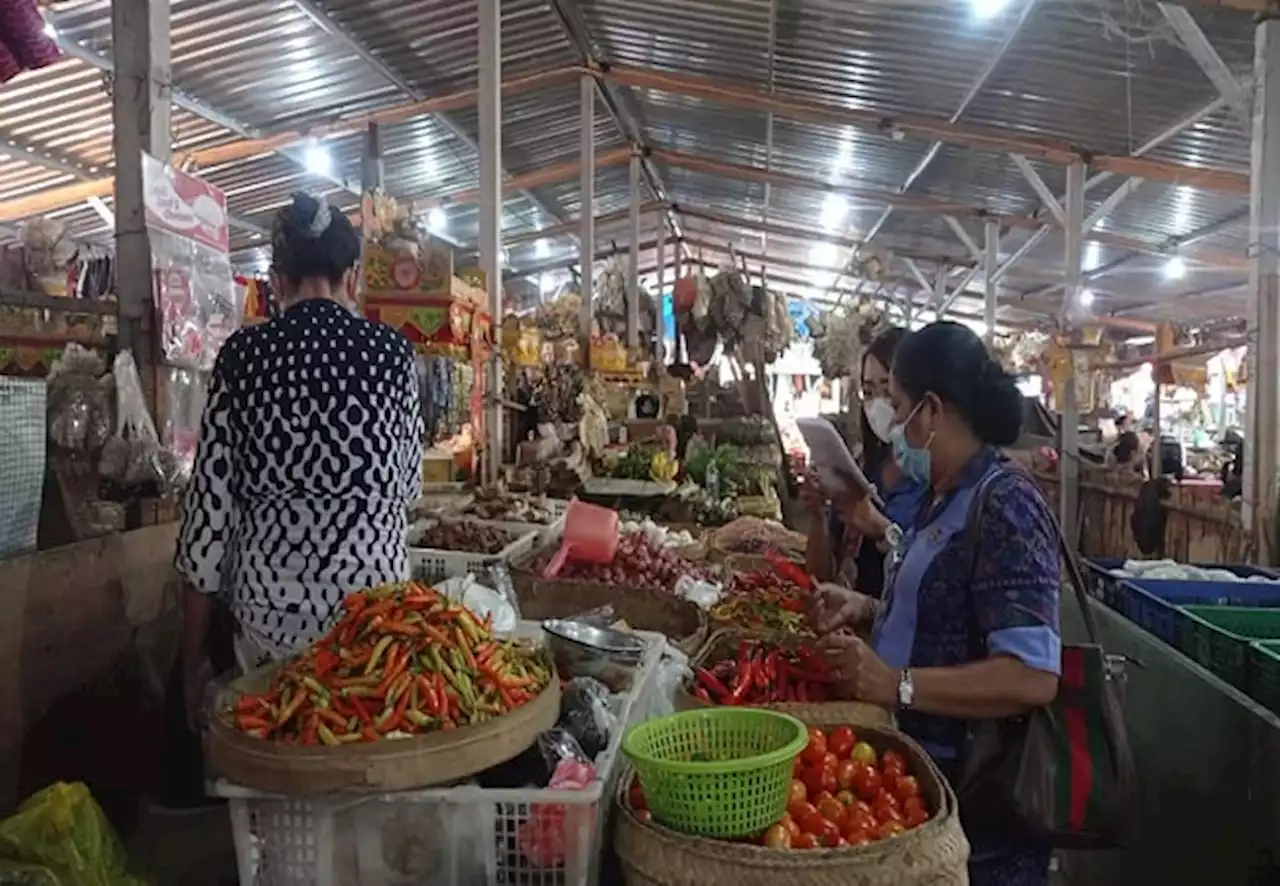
(60, 837)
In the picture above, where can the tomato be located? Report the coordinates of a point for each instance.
(889, 781)
(818, 779)
(861, 806)
(914, 803)
(798, 811)
(797, 793)
(790, 824)
(847, 798)
(832, 810)
(914, 816)
(777, 837)
(812, 823)
(866, 783)
(884, 809)
(830, 761)
(805, 841)
(829, 836)
(857, 838)
(889, 829)
(906, 787)
(816, 749)
(841, 741)
(863, 753)
(635, 797)
(797, 768)
(845, 771)
(644, 815)
(893, 760)
(861, 820)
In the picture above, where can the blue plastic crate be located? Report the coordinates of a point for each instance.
(1105, 586)
(1155, 604)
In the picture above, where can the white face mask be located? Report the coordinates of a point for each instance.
(879, 413)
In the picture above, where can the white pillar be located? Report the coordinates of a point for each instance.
(490, 72)
(1069, 462)
(141, 116)
(633, 257)
(1262, 447)
(990, 262)
(587, 210)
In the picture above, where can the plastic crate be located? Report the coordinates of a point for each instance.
(1218, 638)
(1155, 604)
(433, 564)
(1264, 674)
(1105, 586)
(451, 836)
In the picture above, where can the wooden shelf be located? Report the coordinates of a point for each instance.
(57, 303)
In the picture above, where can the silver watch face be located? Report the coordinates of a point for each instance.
(906, 690)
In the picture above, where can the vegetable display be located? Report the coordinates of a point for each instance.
(843, 795)
(764, 673)
(515, 508)
(639, 562)
(402, 661)
(464, 535)
(764, 600)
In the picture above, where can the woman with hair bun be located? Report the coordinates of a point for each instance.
(968, 628)
(310, 452)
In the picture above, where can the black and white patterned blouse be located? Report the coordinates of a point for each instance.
(310, 451)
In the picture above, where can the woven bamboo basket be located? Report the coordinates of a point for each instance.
(934, 854)
(684, 623)
(373, 767)
(723, 643)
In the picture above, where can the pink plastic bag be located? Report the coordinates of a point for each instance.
(553, 832)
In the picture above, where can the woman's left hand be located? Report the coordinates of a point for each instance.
(859, 672)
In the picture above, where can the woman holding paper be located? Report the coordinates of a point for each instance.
(968, 628)
(847, 543)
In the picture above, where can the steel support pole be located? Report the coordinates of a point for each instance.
(141, 116)
(372, 168)
(1068, 398)
(1262, 450)
(490, 76)
(990, 273)
(659, 328)
(587, 205)
(633, 257)
(940, 292)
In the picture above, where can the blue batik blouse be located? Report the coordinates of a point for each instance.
(946, 606)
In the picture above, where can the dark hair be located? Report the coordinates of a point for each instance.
(312, 239)
(1126, 447)
(950, 361)
(885, 345)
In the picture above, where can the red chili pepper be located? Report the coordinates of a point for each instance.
(784, 684)
(801, 692)
(712, 684)
(742, 685)
(701, 692)
(744, 654)
(760, 670)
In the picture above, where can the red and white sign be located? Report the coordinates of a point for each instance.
(184, 204)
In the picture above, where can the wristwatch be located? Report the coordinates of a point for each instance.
(906, 689)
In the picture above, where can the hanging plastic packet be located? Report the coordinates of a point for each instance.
(500, 581)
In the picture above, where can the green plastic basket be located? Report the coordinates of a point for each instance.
(719, 772)
(1264, 674)
(1219, 637)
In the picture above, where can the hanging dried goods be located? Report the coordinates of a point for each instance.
(402, 661)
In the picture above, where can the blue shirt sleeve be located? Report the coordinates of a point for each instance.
(1016, 577)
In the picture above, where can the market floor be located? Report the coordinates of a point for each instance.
(193, 848)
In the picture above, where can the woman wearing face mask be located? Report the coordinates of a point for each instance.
(968, 628)
(846, 544)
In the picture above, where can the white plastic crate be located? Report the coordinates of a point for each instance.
(433, 564)
(456, 836)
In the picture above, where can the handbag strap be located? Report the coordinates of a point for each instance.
(1070, 562)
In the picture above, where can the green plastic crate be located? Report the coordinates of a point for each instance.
(1264, 674)
(1219, 638)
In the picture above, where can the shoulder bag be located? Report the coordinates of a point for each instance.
(1064, 772)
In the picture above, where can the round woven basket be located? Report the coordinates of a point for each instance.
(722, 643)
(934, 854)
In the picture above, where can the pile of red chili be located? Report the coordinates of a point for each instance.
(403, 660)
(761, 674)
(764, 600)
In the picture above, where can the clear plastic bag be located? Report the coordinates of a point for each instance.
(133, 457)
(62, 833)
(673, 672)
(586, 716)
(553, 832)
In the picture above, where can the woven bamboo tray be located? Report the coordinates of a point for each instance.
(373, 767)
(722, 643)
(934, 854)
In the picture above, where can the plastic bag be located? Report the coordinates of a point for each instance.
(553, 831)
(133, 457)
(703, 594)
(585, 715)
(482, 601)
(63, 832)
(673, 672)
(79, 411)
(500, 581)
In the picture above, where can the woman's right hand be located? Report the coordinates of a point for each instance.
(812, 495)
(833, 607)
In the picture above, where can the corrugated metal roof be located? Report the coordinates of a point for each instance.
(1053, 68)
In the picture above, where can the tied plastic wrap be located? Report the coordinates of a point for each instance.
(79, 400)
(133, 457)
(672, 674)
(585, 714)
(60, 837)
(553, 832)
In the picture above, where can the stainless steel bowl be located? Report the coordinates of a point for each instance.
(581, 650)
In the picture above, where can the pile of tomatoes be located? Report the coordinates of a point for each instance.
(842, 794)
(845, 794)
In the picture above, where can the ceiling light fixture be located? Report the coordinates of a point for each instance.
(542, 249)
(317, 160)
(1086, 297)
(437, 220)
(1175, 268)
(987, 8)
(834, 209)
